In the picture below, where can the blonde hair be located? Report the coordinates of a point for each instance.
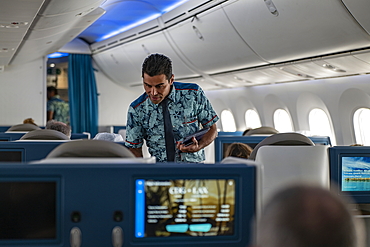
(240, 150)
(29, 121)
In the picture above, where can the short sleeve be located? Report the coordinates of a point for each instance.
(134, 129)
(206, 114)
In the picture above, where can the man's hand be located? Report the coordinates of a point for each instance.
(192, 148)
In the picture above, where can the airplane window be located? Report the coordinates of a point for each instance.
(282, 121)
(252, 120)
(227, 121)
(320, 125)
(361, 123)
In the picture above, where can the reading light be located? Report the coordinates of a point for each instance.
(333, 68)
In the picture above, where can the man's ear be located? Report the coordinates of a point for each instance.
(172, 79)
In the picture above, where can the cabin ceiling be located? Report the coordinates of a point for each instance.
(216, 43)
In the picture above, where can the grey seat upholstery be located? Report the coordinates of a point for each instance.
(44, 134)
(264, 130)
(24, 127)
(90, 148)
(283, 139)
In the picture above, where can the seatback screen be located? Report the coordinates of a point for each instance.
(11, 156)
(27, 210)
(184, 207)
(356, 173)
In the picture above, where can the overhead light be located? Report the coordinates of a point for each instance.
(333, 68)
(296, 73)
(52, 65)
(125, 28)
(241, 79)
(57, 55)
(174, 6)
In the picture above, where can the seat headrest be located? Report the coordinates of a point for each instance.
(24, 127)
(264, 130)
(90, 148)
(44, 134)
(283, 139)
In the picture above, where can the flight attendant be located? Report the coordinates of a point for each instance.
(188, 109)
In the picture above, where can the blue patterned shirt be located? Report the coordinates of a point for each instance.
(189, 110)
(60, 109)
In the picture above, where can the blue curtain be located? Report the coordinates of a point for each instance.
(83, 96)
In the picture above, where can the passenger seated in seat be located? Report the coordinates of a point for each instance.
(29, 121)
(108, 137)
(308, 216)
(59, 126)
(239, 150)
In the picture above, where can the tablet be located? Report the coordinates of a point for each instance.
(198, 135)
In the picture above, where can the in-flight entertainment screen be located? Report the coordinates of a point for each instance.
(356, 173)
(184, 207)
(28, 210)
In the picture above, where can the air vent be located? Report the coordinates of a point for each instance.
(127, 37)
(174, 18)
(149, 29)
(100, 47)
(111, 43)
(199, 6)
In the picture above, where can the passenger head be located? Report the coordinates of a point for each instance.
(51, 92)
(306, 216)
(59, 126)
(157, 77)
(240, 150)
(109, 137)
(29, 121)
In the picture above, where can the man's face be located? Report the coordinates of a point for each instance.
(157, 87)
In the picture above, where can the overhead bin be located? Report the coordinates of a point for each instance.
(123, 64)
(157, 43)
(13, 29)
(285, 30)
(209, 43)
(359, 9)
(41, 42)
(70, 7)
(117, 66)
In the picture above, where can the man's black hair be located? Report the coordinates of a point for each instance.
(157, 64)
(52, 89)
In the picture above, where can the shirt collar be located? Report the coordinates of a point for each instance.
(172, 95)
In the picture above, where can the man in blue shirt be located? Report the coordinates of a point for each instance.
(189, 109)
(57, 109)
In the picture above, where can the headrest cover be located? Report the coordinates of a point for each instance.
(90, 148)
(261, 131)
(109, 137)
(44, 134)
(24, 127)
(283, 139)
